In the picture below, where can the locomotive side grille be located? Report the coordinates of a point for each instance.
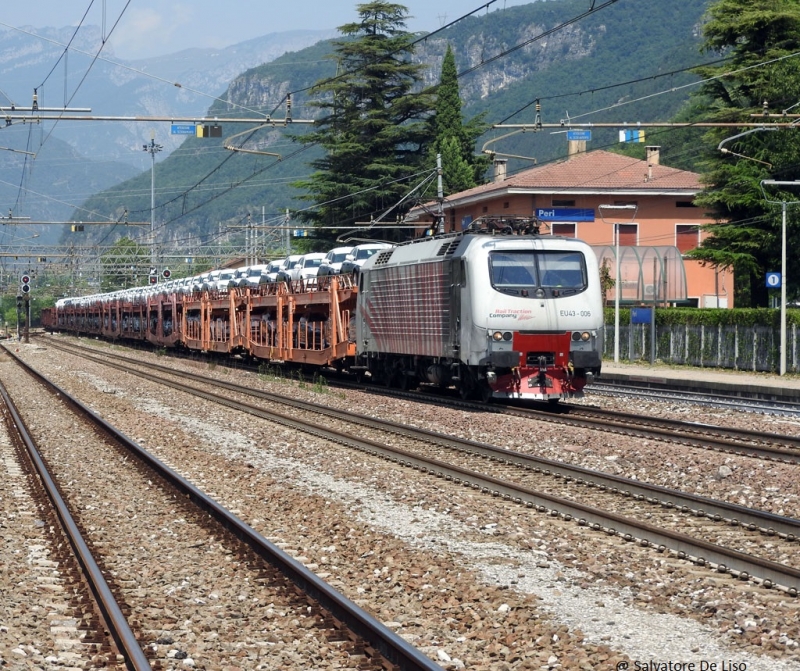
(532, 358)
(448, 248)
(383, 257)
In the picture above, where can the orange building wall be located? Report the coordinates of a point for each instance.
(656, 217)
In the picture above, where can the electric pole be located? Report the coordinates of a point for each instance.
(153, 148)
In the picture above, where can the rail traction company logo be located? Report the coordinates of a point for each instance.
(505, 313)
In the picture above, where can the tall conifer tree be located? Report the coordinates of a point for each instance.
(374, 130)
(462, 169)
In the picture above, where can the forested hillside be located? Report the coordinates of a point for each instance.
(575, 72)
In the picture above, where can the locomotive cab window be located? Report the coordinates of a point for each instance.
(537, 274)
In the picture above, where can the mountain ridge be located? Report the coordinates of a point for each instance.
(104, 153)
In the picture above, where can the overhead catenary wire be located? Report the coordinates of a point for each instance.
(425, 37)
(67, 46)
(89, 69)
(593, 8)
(403, 48)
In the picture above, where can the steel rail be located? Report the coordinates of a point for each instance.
(686, 547)
(393, 647)
(116, 622)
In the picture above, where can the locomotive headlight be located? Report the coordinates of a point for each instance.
(578, 335)
(507, 335)
(497, 336)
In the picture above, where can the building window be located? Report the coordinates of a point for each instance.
(687, 237)
(563, 203)
(485, 209)
(628, 235)
(563, 230)
(505, 205)
(684, 203)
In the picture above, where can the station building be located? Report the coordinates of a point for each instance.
(659, 219)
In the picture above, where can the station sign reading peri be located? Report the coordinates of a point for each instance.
(564, 214)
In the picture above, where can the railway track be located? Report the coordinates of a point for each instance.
(767, 406)
(726, 537)
(100, 630)
(756, 444)
(120, 490)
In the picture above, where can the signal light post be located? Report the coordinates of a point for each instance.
(19, 316)
(24, 302)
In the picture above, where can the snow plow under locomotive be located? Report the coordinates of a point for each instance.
(497, 312)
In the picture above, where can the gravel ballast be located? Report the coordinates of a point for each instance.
(473, 581)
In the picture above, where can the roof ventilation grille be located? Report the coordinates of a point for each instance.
(383, 257)
(448, 248)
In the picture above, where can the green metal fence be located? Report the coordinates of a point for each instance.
(752, 348)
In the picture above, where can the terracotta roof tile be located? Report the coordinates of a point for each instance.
(595, 170)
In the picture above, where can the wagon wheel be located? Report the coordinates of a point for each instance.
(408, 380)
(486, 393)
(389, 376)
(466, 386)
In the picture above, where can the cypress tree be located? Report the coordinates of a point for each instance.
(448, 124)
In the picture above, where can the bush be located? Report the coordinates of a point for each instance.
(712, 317)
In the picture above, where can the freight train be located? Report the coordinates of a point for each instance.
(496, 311)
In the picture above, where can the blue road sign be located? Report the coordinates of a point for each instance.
(773, 280)
(583, 135)
(183, 129)
(641, 315)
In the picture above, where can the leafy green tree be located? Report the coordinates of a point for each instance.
(462, 170)
(374, 129)
(760, 38)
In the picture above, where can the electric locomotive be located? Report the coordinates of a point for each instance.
(498, 311)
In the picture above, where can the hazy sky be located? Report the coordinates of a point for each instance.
(154, 27)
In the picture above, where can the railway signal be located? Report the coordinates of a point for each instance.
(166, 273)
(25, 283)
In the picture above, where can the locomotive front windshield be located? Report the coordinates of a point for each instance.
(537, 273)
